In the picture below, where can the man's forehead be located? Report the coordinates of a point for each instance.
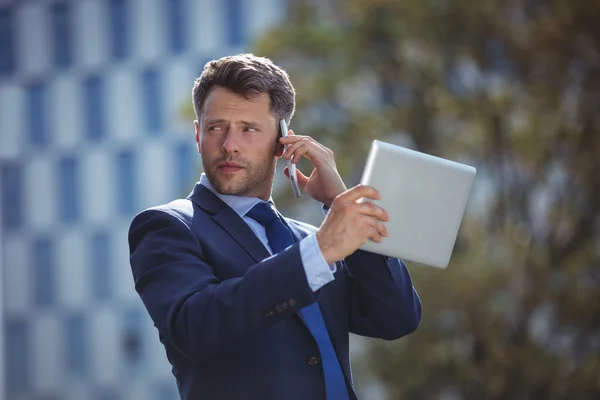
(221, 103)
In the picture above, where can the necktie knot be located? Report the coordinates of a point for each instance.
(278, 235)
(263, 213)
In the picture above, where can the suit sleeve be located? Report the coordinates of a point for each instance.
(191, 308)
(383, 302)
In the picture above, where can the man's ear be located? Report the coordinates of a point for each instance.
(197, 129)
(280, 148)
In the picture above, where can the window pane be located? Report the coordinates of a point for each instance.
(12, 196)
(76, 345)
(176, 25)
(166, 391)
(61, 23)
(102, 276)
(94, 108)
(44, 265)
(151, 96)
(119, 33)
(7, 42)
(37, 118)
(235, 22)
(17, 356)
(106, 394)
(126, 189)
(185, 167)
(133, 336)
(69, 189)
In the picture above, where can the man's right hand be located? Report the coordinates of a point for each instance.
(349, 224)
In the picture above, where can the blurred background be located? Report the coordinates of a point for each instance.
(96, 125)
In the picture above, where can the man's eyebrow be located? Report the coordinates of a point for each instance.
(221, 121)
(250, 123)
(214, 121)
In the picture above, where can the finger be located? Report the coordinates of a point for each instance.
(294, 147)
(360, 191)
(312, 151)
(292, 138)
(302, 179)
(375, 227)
(372, 210)
(303, 139)
(302, 151)
(375, 236)
(382, 229)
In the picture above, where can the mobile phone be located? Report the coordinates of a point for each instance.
(291, 165)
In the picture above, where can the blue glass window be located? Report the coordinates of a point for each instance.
(38, 124)
(185, 167)
(166, 391)
(151, 96)
(76, 343)
(133, 336)
(69, 189)
(119, 38)
(44, 271)
(101, 272)
(126, 183)
(16, 356)
(7, 41)
(94, 108)
(176, 24)
(62, 34)
(106, 394)
(234, 22)
(12, 195)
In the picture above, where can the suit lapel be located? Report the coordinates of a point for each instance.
(230, 221)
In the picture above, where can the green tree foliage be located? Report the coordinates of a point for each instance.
(512, 87)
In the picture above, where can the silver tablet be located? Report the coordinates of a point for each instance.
(425, 196)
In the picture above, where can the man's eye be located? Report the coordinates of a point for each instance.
(250, 129)
(214, 128)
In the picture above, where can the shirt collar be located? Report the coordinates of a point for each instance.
(240, 204)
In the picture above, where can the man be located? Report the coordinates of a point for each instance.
(250, 304)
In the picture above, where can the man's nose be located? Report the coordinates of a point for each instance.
(230, 144)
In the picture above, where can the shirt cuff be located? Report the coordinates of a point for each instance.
(318, 273)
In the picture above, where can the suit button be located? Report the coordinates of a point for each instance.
(292, 302)
(313, 360)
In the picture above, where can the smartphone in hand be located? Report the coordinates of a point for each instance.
(291, 166)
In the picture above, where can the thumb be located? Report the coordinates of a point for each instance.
(302, 179)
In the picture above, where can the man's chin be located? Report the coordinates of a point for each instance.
(231, 187)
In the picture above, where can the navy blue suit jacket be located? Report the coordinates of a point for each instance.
(225, 309)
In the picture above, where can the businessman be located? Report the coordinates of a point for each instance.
(250, 304)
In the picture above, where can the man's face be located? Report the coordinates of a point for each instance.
(238, 141)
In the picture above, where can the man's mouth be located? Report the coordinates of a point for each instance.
(229, 167)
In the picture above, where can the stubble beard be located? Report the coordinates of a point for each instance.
(251, 182)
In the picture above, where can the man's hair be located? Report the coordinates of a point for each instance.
(248, 76)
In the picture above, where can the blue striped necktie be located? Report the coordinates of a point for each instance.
(280, 237)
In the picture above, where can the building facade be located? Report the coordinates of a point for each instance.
(92, 132)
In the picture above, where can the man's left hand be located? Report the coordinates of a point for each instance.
(324, 183)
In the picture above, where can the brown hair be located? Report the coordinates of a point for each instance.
(247, 75)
